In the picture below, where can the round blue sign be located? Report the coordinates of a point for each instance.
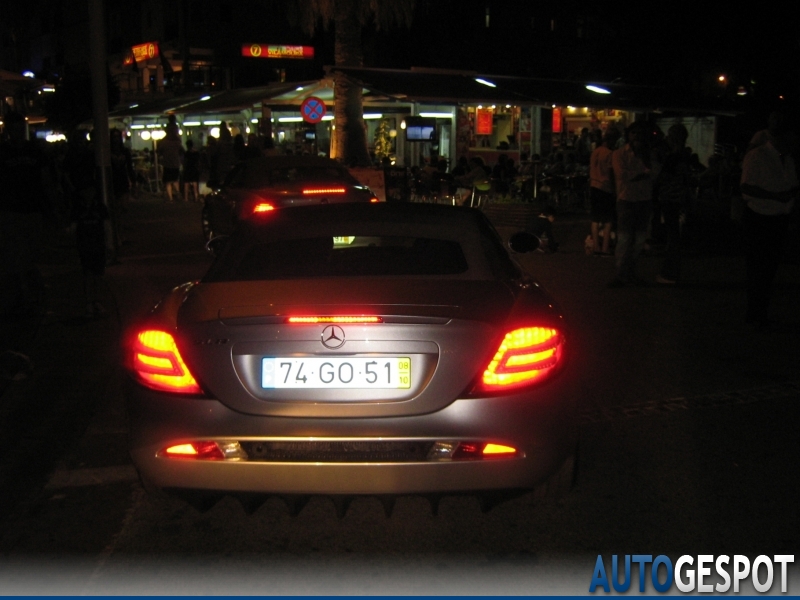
(312, 109)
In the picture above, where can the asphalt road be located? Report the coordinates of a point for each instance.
(688, 445)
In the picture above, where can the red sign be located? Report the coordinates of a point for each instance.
(142, 52)
(312, 109)
(556, 120)
(483, 121)
(273, 51)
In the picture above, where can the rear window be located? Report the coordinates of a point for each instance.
(365, 240)
(348, 256)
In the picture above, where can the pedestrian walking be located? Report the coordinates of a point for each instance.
(170, 151)
(122, 178)
(191, 173)
(634, 171)
(769, 187)
(90, 216)
(602, 192)
(673, 197)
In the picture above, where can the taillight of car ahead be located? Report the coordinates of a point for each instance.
(157, 363)
(262, 208)
(527, 355)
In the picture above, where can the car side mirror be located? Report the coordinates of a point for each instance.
(522, 242)
(215, 245)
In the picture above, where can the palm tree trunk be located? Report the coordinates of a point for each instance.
(351, 135)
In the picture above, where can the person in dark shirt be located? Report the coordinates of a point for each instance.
(90, 216)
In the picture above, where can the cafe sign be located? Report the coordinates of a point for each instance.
(274, 51)
(142, 52)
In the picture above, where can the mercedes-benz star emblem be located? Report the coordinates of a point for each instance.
(333, 337)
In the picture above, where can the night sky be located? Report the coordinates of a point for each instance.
(661, 43)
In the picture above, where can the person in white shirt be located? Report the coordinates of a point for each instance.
(769, 187)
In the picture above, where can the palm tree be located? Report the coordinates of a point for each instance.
(348, 18)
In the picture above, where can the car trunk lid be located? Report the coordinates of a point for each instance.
(231, 332)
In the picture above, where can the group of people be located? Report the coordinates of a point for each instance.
(213, 161)
(186, 165)
(646, 183)
(631, 184)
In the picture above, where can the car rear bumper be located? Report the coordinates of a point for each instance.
(540, 426)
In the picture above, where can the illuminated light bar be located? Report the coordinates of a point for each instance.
(373, 115)
(318, 191)
(498, 449)
(290, 119)
(262, 207)
(485, 82)
(525, 355)
(436, 115)
(334, 319)
(192, 123)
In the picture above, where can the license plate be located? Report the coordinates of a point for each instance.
(314, 372)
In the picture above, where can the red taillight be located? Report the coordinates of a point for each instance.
(318, 191)
(195, 450)
(158, 364)
(335, 319)
(374, 199)
(525, 356)
(262, 207)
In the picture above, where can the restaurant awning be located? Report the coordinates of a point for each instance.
(274, 94)
(465, 87)
(12, 83)
(430, 86)
(162, 106)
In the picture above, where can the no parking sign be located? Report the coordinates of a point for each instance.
(312, 109)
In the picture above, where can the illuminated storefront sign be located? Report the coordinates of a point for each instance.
(483, 121)
(142, 52)
(273, 51)
(556, 120)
